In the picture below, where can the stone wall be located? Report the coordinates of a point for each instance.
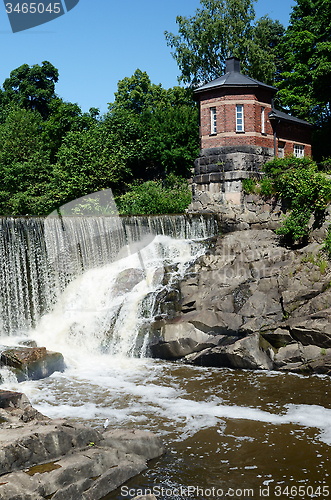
(253, 211)
(220, 171)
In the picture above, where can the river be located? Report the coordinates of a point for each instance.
(228, 433)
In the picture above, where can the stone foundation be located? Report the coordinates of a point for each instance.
(220, 171)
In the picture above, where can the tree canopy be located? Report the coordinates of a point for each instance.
(223, 28)
(51, 152)
(306, 52)
(305, 80)
(32, 87)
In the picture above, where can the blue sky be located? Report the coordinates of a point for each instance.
(99, 42)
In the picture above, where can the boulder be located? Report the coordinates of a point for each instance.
(145, 497)
(291, 353)
(314, 329)
(278, 338)
(127, 280)
(31, 362)
(174, 349)
(248, 284)
(243, 353)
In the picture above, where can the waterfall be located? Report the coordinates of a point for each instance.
(95, 277)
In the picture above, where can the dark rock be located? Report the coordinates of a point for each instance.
(10, 399)
(174, 349)
(291, 353)
(248, 284)
(31, 362)
(244, 353)
(314, 329)
(145, 497)
(322, 364)
(278, 338)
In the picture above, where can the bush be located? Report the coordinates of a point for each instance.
(156, 197)
(325, 165)
(327, 243)
(249, 185)
(267, 187)
(307, 192)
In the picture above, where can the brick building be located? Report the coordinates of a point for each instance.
(240, 130)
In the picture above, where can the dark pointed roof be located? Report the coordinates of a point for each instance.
(279, 115)
(233, 78)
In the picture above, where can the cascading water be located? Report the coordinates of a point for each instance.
(40, 257)
(87, 287)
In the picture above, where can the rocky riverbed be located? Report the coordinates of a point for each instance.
(250, 303)
(42, 458)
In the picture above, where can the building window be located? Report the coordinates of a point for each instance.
(281, 149)
(298, 150)
(262, 120)
(213, 129)
(239, 118)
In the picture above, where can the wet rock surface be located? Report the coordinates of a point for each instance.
(251, 303)
(31, 362)
(42, 458)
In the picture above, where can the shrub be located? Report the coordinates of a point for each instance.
(267, 187)
(155, 197)
(325, 165)
(307, 192)
(327, 243)
(249, 185)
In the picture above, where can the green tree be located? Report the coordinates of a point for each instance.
(25, 170)
(88, 160)
(264, 61)
(63, 118)
(158, 128)
(219, 29)
(305, 81)
(136, 93)
(32, 87)
(306, 51)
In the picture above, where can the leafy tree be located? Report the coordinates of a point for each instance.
(305, 81)
(219, 29)
(157, 127)
(136, 93)
(88, 161)
(64, 117)
(264, 61)
(172, 138)
(306, 51)
(32, 87)
(24, 164)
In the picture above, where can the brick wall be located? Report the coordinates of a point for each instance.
(290, 134)
(252, 99)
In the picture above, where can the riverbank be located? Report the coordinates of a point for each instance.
(42, 458)
(250, 302)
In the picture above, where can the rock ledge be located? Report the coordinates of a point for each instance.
(42, 458)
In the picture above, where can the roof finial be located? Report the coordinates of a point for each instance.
(232, 65)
